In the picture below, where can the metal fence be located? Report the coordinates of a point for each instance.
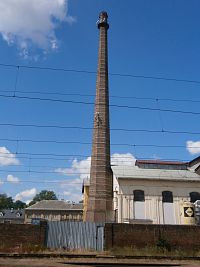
(75, 235)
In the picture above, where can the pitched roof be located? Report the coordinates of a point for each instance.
(55, 205)
(134, 172)
(160, 162)
(10, 214)
(159, 170)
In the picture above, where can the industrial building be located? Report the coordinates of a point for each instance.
(147, 191)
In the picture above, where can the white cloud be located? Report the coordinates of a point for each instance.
(32, 22)
(193, 147)
(26, 194)
(12, 179)
(123, 159)
(72, 186)
(7, 158)
(1, 182)
(28, 201)
(80, 168)
(76, 197)
(66, 193)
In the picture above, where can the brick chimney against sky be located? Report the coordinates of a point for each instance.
(100, 203)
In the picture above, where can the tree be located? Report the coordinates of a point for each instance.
(18, 204)
(43, 195)
(5, 202)
(8, 203)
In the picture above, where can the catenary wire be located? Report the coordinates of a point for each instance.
(110, 96)
(117, 157)
(8, 155)
(90, 143)
(87, 173)
(64, 159)
(91, 128)
(91, 103)
(94, 72)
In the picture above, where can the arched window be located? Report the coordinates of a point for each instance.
(138, 195)
(167, 196)
(194, 196)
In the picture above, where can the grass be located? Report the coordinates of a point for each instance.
(22, 249)
(154, 251)
(162, 248)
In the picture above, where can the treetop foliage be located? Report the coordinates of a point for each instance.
(8, 203)
(43, 195)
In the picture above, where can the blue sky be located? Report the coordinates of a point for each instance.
(146, 38)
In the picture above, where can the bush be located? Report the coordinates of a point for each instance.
(163, 245)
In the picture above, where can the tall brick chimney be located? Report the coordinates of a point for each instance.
(100, 208)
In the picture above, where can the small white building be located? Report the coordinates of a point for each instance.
(157, 192)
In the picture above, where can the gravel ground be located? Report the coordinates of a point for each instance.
(56, 262)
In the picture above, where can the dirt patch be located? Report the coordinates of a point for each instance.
(58, 262)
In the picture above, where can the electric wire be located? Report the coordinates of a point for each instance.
(86, 173)
(43, 156)
(91, 128)
(110, 96)
(90, 143)
(31, 155)
(91, 103)
(72, 158)
(94, 72)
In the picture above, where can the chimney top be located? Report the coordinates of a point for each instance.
(103, 20)
(103, 14)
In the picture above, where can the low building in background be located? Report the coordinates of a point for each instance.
(12, 216)
(54, 210)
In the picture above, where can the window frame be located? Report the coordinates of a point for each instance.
(194, 195)
(138, 195)
(167, 196)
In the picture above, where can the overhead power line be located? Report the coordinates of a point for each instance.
(68, 170)
(92, 103)
(111, 96)
(31, 156)
(90, 128)
(45, 141)
(94, 72)
(146, 176)
(43, 181)
(90, 143)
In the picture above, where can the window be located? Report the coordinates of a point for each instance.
(139, 204)
(194, 196)
(138, 195)
(167, 196)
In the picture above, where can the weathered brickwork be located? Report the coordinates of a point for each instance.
(100, 192)
(22, 235)
(135, 235)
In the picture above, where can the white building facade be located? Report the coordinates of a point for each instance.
(157, 192)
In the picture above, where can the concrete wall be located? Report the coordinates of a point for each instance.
(26, 235)
(138, 235)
